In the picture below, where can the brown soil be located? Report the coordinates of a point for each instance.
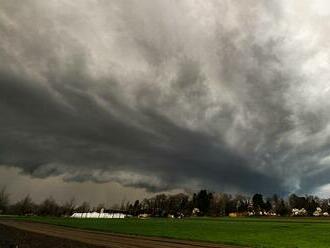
(44, 235)
(11, 237)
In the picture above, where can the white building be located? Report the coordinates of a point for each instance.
(100, 215)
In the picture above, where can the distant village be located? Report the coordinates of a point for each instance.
(202, 203)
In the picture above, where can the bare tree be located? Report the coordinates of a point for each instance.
(99, 207)
(49, 207)
(68, 207)
(24, 207)
(83, 208)
(4, 200)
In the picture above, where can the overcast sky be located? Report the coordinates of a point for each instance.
(137, 97)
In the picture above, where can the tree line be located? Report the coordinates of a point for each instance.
(202, 203)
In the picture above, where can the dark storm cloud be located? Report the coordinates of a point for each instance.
(166, 94)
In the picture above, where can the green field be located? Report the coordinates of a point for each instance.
(254, 232)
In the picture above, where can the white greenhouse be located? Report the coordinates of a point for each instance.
(99, 215)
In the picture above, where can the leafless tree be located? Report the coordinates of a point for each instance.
(4, 200)
(68, 207)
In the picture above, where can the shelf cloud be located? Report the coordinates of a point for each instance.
(162, 95)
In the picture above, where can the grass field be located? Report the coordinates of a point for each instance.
(254, 232)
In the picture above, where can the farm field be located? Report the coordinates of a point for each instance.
(253, 232)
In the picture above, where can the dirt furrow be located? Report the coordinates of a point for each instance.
(106, 239)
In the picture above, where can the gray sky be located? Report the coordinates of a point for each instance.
(148, 96)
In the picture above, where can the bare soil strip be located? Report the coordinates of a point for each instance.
(11, 237)
(106, 239)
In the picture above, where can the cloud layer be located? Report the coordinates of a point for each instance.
(227, 95)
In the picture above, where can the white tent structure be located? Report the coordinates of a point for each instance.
(99, 215)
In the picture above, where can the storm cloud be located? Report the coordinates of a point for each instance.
(161, 95)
